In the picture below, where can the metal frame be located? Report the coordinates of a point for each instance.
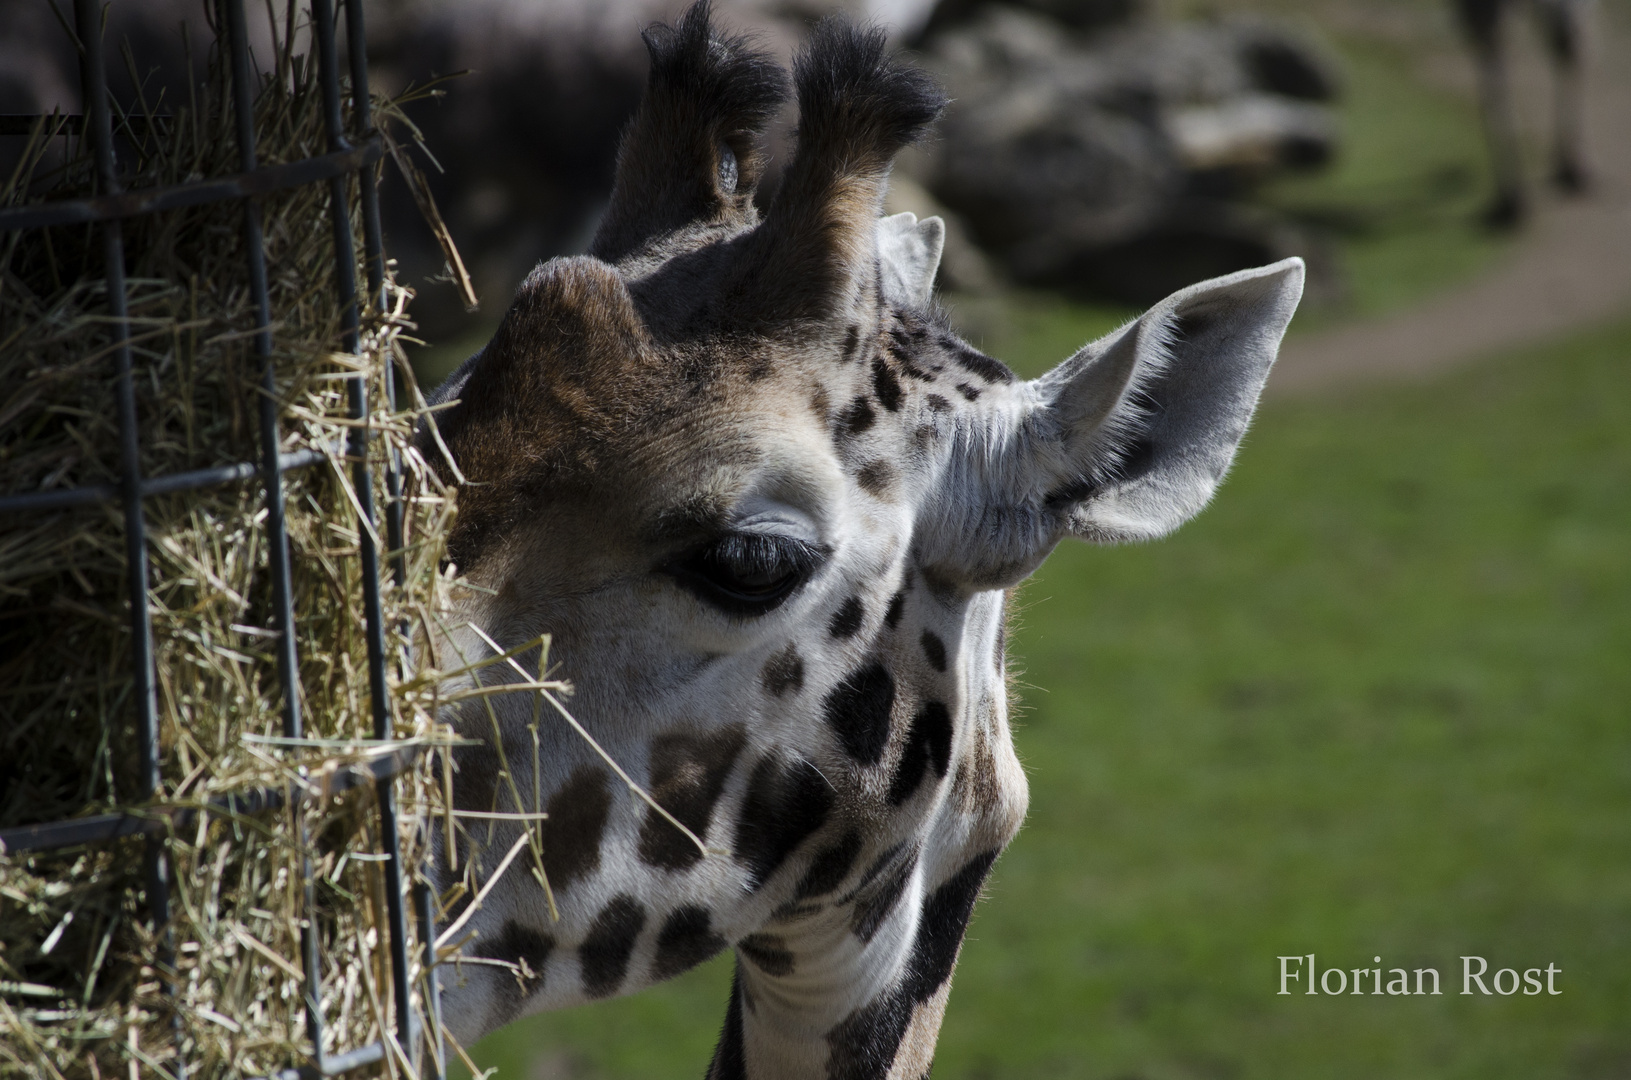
(348, 153)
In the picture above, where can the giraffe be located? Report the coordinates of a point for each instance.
(1562, 25)
(768, 506)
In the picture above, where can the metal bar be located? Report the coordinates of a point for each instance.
(261, 181)
(362, 116)
(357, 393)
(93, 74)
(243, 108)
(155, 485)
(425, 911)
(154, 820)
(374, 262)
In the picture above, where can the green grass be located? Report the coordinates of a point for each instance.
(1373, 702)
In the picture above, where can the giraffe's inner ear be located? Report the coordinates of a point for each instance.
(908, 257)
(1145, 422)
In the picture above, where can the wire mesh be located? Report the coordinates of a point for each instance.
(351, 152)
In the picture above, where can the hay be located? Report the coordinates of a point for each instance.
(80, 995)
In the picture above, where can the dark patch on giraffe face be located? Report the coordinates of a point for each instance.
(730, 1056)
(967, 391)
(784, 672)
(879, 865)
(768, 953)
(847, 620)
(885, 385)
(973, 360)
(572, 832)
(857, 710)
(478, 768)
(897, 608)
(830, 867)
(688, 771)
(605, 953)
(928, 744)
(783, 805)
(872, 909)
(852, 337)
(937, 403)
(902, 350)
(864, 1044)
(876, 478)
(934, 649)
(518, 944)
(1069, 494)
(525, 947)
(685, 941)
(857, 418)
(984, 775)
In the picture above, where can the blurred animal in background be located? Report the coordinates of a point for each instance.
(768, 507)
(1563, 26)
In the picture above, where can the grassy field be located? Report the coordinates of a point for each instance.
(1372, 703)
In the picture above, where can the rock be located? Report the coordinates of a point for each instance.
(1103, 162)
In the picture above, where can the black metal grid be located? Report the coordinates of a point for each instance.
(356, 152)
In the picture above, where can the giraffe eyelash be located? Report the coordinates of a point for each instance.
(747, 574)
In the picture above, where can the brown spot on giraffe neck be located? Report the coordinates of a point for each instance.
(768, 953)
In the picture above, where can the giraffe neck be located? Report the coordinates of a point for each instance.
(828, 1004)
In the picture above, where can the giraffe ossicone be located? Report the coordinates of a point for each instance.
(767, 505)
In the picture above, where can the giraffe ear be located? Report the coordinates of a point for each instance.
(1146, 421)
(908, 257)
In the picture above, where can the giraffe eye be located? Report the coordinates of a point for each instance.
(746, 573)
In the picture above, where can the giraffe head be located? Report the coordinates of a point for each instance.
(767, 505)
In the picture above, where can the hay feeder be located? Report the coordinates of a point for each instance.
(217, 757)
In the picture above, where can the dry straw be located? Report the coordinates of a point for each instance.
(81, 993)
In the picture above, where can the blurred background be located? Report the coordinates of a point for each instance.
(1375, 702)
